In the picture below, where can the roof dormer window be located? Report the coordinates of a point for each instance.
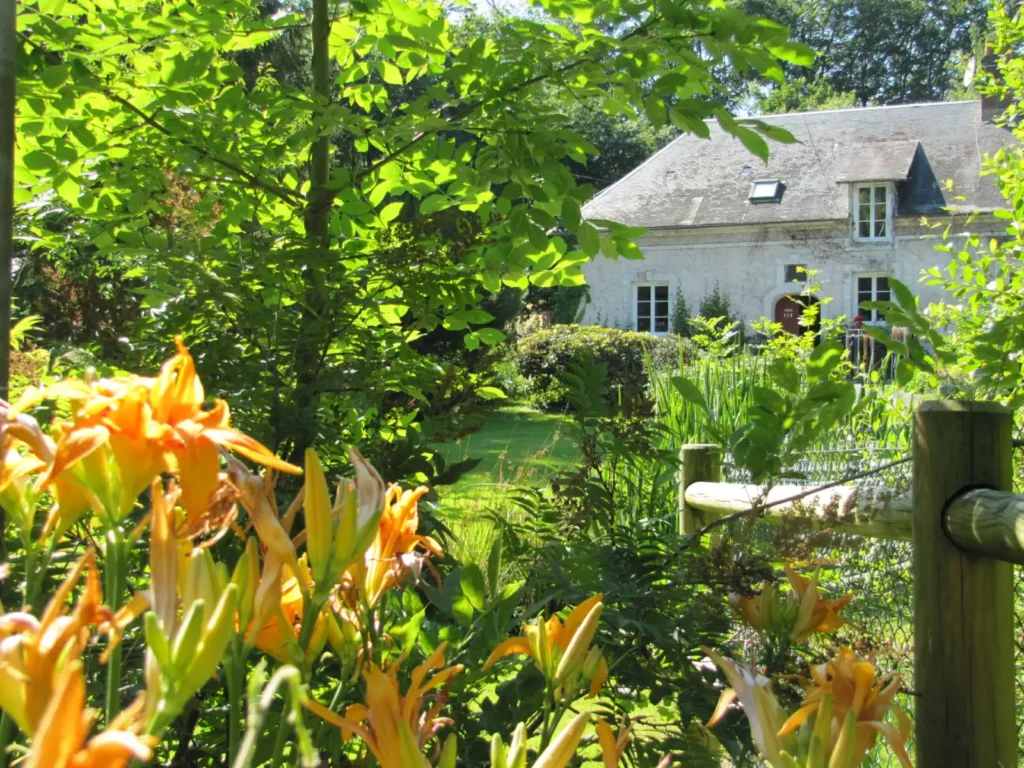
(766, 192)
(872, 212)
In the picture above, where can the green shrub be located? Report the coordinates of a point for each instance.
(680, 316)
(544, 357)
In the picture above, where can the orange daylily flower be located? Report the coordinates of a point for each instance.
(16, 467)
(853, 686)
(562, 652)
(391, 554)
(814, 614)
(798, 614)
(395, 726)
(764, 713)
(34, 651)
(612, 746)
(149, 425)
(62, 739)
(280, 632)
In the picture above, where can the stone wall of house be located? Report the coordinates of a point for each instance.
(749, 266)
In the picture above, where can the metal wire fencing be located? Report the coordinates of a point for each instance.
(881, 619)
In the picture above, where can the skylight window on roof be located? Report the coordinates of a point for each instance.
(766, 192)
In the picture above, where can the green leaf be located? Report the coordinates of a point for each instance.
(390, 73)
(407, 633)
(462, 610)
(904, 373)
(689, 391)
(54, 76)
(491, 393)
(37, 160)
(490, 336)
(494, 565)
(904, 296)
(590, 240)
(491, 280)
(390, 212)
(752, 141)
(433, 204)
(570, 214)
(785, 374)
(823, 360)
(473, 586)
(794, 53)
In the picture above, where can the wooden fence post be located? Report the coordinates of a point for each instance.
(697, 464)
(963, 603)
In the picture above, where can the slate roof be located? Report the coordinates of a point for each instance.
(696, 182)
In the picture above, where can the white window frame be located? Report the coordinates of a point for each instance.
(874, 294)
(855, 211)
(652, 284)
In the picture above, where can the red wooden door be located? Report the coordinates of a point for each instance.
(787, 312)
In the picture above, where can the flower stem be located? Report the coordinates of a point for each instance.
(282, 738)
(235, 672)
(115, 578)
(38, 577)
(5, 737)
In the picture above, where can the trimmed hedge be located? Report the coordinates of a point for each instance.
(543, 358)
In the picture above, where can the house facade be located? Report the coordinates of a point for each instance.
(846, 201)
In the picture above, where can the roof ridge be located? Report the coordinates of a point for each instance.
(861, 109)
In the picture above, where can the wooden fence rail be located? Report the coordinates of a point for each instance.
(967, 529)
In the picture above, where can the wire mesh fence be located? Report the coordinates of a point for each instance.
(881, 619)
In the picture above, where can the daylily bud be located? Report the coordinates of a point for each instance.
(563, 748)
(591, 663)
(517, 747)
(157, 642)
(343, 637)
(498, 752)
(369, 485)
(188, 635)
(357, 525)
(845, 752)
(213, 645)
(572, 659)
(319, 523)
(246, 577)
(449, 752)
(318, 639)
(540, 645)
(201, 581)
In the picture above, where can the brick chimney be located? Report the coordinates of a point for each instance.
(992, 107)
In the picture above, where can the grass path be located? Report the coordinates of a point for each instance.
(519, 446)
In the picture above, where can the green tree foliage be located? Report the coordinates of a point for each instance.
(680, 316)
(716, 304)
(301, 272)
(545, 357)
(972, 350)
(884, 51)
(8, 50)
(800, 95)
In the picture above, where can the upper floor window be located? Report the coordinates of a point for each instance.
(871, 288)
(872, 212)
(796, 273)
(652, 308)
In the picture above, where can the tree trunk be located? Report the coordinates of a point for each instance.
(8, 56)
(313, 329)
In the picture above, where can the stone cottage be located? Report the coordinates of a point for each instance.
(847, 201)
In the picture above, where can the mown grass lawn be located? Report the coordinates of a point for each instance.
(519, 446)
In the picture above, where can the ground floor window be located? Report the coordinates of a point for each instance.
(652, 308)
(871, 288)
